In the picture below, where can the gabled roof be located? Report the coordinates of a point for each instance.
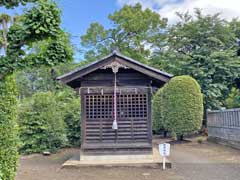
(115, 56)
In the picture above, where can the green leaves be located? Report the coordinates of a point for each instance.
(42, 21)
(69, 104)
(158, 121)
(178, 106)
(8, 128)
(38, 25)
(14, 3)
(134, 19)
(50, 52)
(233, 99)
(49, 121)
(133, 31)
(41, 124)
(204, 47)
(41, 79)
(33, 40)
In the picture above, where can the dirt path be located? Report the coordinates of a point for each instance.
(206, 162)
(190, 162)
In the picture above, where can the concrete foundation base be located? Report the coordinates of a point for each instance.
(140, 160)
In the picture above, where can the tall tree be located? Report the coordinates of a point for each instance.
(204, 47)
(5, 19)
(133, 32)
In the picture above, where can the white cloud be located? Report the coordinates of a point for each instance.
(168, 8)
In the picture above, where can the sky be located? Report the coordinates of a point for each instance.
(167, 8)
(77, 15)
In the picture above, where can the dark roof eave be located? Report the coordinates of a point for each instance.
(144, 65)
(115, 53)
(84, 67)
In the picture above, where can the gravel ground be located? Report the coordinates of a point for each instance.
(191, 161)
(206, 162)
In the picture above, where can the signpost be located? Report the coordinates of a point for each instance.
(164, 150)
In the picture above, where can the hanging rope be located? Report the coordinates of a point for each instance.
(115, 126)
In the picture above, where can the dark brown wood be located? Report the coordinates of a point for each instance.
(83, 117)
(136, 83)
(149, 115)
(73, 78)
(132, 117)
(119, 145)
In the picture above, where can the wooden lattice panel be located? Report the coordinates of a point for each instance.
(132, 106)
(132, 115)
(99, 106)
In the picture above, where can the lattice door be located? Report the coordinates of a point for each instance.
(132, 115)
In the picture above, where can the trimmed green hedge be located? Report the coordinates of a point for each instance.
(182, 106)
(8, 128)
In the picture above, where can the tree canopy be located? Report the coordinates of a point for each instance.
(14, 3)
(204, 47)
(38, 25)
(133, 32)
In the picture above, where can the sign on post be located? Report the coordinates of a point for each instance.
(164, 150)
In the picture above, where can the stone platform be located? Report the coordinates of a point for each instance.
(140, 160)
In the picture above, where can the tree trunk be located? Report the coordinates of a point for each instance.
(180, 138)
(4, 25)
(165, 134)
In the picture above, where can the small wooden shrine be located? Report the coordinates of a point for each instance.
(116, 96)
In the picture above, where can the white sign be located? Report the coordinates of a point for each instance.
(164, 149)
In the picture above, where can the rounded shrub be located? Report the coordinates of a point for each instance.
(182, 106)
(41, 124)
(8, 128)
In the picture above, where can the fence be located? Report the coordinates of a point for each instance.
(224, 127)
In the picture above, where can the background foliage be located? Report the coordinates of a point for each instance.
(233, 99)
(69, 104)
(66, 103)
(204, 47)
(42, 79)
(41, 123)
